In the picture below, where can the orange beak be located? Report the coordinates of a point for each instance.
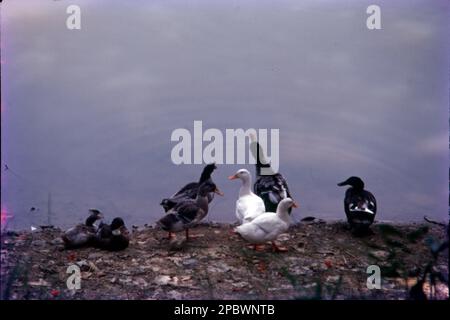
(220, 193)
(295, 205)
(232, 177)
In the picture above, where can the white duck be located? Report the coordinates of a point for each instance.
(248, 205)
(268, 226)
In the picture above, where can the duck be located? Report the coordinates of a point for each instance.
(268, 226)
(113, 237)
(272, 187)
(360, 205)
(248, 205)
(188, 212)
(83, 234)
(189, 191)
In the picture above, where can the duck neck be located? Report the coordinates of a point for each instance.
(357, 189)
(202, 201)
(283, 213)
(246, 188)
(90, 221)
(260, 160)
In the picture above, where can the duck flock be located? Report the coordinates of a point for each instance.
(262, 213)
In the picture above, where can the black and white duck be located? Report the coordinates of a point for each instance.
(82, 235)
(189, 191)
(113, 237)
(188, 212)
(360, 205)
(272, 187)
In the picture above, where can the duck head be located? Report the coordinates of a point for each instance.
(286, 204)
(242, 174)
(116, 224)
(355, 182)
(94, 216)
(208, 187)
(207, 171)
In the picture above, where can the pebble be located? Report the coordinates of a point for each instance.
(39, 243)
(380, 254)
(190, 263)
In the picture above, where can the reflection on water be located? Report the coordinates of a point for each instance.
(86, 122)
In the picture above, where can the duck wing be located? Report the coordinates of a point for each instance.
(189, 190)
(119, 240)
(269, 222)
(248, 207)
(103, 236)
(372, 201)
(356, 200)
(181, 216)
(360, 208)
(189, 212)
(272, 189)
(263, 228)
(78, 236)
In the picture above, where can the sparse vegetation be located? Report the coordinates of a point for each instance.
(324, 261)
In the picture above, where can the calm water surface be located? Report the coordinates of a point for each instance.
(87, 115)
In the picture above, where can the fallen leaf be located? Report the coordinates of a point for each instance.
(40, 283)
(54, 293)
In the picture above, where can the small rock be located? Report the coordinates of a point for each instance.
(86, 266)
(241, 284)
(175, 295)
(177, 244)
(125, 280)
(155, 268)
(40, 283)
(185, 278)
(283, 237)
(219, 267)
(57, 241)
(190, 263)
(39, 243)
(162, 280)
(140, 282)
(380, 254)
(95, 255)
(333, 279)
(308, 219)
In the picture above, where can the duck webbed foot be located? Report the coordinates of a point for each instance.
(277, 248)
(171, 236)
(190, 236)
(257, 247)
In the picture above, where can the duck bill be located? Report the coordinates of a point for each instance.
(233, 177)
(343, 183)
(220, 193)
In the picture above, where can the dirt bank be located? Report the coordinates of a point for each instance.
(324, 261)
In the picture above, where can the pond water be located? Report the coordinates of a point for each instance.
(87, 115)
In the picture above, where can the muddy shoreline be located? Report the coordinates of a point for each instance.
(324, 261)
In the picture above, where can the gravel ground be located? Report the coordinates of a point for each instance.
(324, 261)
